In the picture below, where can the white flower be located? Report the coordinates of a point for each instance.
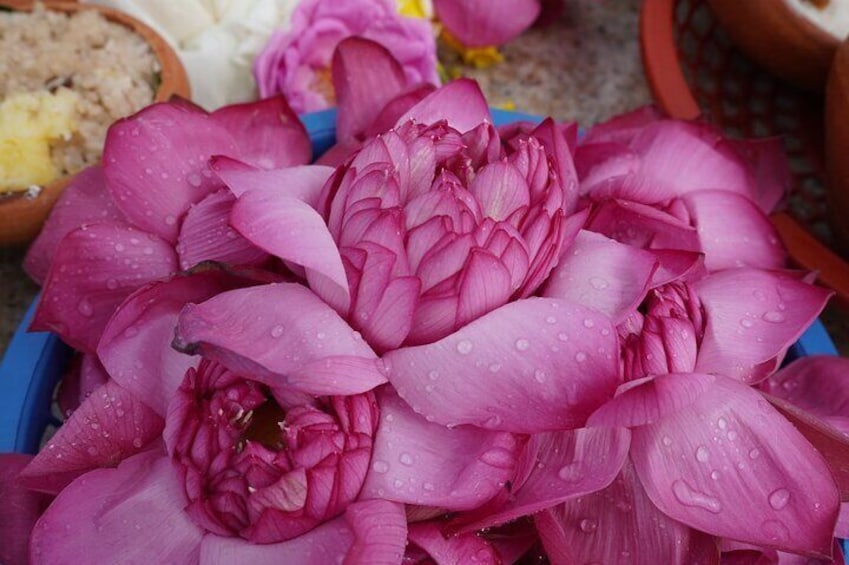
(217, 40)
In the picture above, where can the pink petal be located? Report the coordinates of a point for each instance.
(463, 548)
(563, 466)
(732, 466)
(79, 382)
(641, 225)
(460, 103)
(290, 229)
(831, 443)
(155, 164)
(336, 376)
(328, 543)
(478, 23)
(500, 189)
(206, 235)
(733, 232)
(136, 344)
(365, 78)
(132, 514)
(380, 532)
(485, 285)
(534, 365)
(268, 133)
(110, 426)
(818, 385)
(418, 462)
(19, 512)
(674, 264)
(270, 331)
(651, 399)
(302, 182)
(396, 108)
(621, 525)
(624, 127)
(768, 159)
(752, 317)
(602, 274)
(83, 201)
(93, 271)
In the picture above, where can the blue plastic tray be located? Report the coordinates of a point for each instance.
(35, 361)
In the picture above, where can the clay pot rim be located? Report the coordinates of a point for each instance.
(21, 216)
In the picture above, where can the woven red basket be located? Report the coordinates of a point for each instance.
(694, 70)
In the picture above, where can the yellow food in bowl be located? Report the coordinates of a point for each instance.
(29, 122)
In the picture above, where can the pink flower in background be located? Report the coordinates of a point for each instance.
(482, 23)
(296, 62)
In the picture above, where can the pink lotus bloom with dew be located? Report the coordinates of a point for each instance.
(152, 209)
(296, 62)
(483, 23)
(428, 226)
(257, 460)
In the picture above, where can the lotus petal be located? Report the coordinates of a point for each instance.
(768, 159)
(365, 78)
(206, 235)
(135, 513)
(534, 365)
(84, 201)
(460, 103)
(93, 271)
(478, 23)
(418, 462)
(603, 274)
(732, 466)
(624, 127)
(19, 512)
(396, 108)
(136, 348)
(328, 543)
(247, 329)
(85, 375)
(563, 466)
(155, 163)
(621, 525)
(641, 225)
(463, 548)
(818, 385)
(290, 229)
(110, 426)
(733, 232)
(380, 532)
(268, 133)
(752, 317)
(302, 182)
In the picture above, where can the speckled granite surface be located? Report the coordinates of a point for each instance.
(585, 67)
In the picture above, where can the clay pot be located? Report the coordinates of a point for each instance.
(837, 145)
(21, 216)
(773, 34)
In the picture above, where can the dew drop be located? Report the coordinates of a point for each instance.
(170, 220)
(494, 368)
(194, 180)
(722, 423)
(277, 331)
(522, 344)
(580, 357)
(137, 442)
(539, 376)
(571, 473)
(779, 498)
(563, 336)
(380, 466)
(588, 525)
(773, 317)
(551, 320)
(746, 323)
(406, 459)
(464, 347)
(689, 497)
(715, 475)
(588, 323)
(599, 283)
(667, 441)
(433, 375)
(702, 454)
(92, 451)
(84, 307)
(428, 487)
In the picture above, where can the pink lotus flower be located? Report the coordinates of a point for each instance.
(658, 183)
(296, 63)
(152, 209)
(430, 225)
(255, 465)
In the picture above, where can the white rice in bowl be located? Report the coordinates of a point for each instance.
(80, 65)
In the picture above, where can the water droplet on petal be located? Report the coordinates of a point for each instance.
(170, 220)
(580, 357)
(773, 317)
(380, 466)
(551, 320)
(406, 459)
(539, 376)
(599, 283)
(693, 498)
(746, 323)
(522, 344)
(84, 307)
(667, 441)
(588, 323)
(588, 525)
(702, 454)
(779, 498)
(137, 443)
(464, 347)
(428, 487)
(433, 375)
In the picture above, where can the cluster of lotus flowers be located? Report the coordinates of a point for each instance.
(442, 342)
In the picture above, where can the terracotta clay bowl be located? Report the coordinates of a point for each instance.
(22, 215)
(778, 37)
